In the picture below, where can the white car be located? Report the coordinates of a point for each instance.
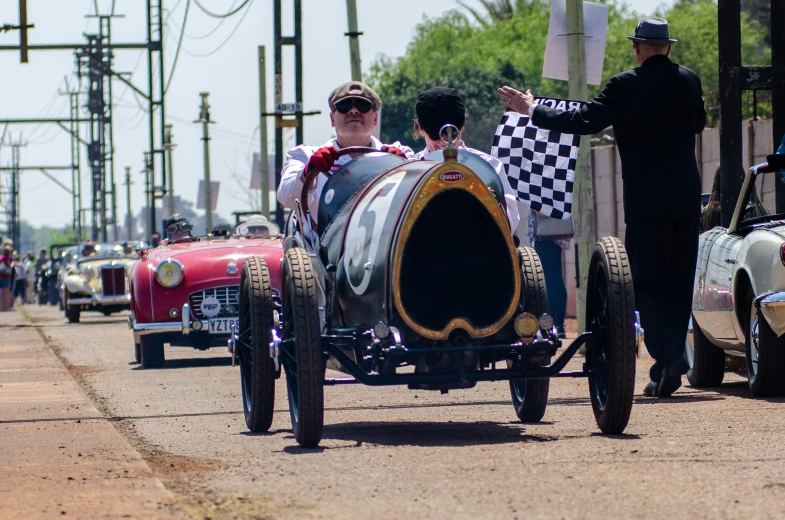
(738, 303)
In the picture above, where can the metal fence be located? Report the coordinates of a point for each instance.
(755, 104)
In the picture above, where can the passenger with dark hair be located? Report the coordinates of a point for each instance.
(439, 106)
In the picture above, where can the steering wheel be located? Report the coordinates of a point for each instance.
(310, 176)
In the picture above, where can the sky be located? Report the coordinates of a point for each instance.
(217, 58)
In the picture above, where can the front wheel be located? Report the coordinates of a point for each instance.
(137, 352)
(610, 316)
(765, 356)
(530, 396)
(257, 369)
(72, 312)
(152, 350)
(302, 348)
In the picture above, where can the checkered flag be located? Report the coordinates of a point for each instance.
(540, 164)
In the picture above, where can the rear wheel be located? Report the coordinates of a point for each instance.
(530, 396)
(302, 348)
(610, 316)
(257, 369)
(707, 362)
(137, 352)
(152, 350)
(765, 356)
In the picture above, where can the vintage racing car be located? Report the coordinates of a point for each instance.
(738, 304)
(97, 281)
(185, 292)
(409, 275)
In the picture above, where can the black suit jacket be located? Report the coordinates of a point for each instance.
(656, 110)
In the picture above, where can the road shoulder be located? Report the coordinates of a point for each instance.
(60, 455)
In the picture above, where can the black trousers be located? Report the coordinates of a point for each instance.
(663, 252)
(550, 254)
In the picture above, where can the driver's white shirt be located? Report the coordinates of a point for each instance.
(291, 186)
(511, 201)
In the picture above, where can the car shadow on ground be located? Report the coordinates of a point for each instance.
(432, 433)
(678, 398)
(740, 389)
(174, 364)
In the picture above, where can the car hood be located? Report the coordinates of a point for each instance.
(213, 254)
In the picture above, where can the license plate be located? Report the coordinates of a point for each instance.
(222, 325)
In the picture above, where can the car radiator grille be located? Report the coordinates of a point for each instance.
(113, 280)
(227, 296)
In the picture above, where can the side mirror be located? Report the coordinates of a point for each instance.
(142, 252)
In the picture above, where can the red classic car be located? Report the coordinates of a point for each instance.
(186, 293)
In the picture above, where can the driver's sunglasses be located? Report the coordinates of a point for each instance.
(182, 226)
(361, 105)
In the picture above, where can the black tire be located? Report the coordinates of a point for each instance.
(530, 396)
(257, 368)
(707, 361)
(137, 352)
(72, 312)
(302, 354)
(152, 350)
(610, 316)
(766, 374)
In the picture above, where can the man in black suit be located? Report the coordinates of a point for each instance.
(656, 110)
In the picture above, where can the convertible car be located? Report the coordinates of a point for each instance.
(185, 292)
(738, 304)
(409, 275)
(96, 281)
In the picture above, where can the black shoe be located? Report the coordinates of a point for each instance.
(650, 390)
(671, 377)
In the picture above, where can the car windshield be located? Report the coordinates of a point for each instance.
(761, 202)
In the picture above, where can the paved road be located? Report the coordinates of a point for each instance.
(393, 453)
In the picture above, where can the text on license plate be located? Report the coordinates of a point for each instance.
(222, 325)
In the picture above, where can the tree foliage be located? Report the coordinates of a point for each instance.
(477, 52)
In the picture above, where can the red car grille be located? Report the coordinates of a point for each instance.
(113, 280)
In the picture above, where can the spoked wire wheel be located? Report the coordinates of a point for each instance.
(530, 396)
(257, 368)
(301, 348)
(610, 316)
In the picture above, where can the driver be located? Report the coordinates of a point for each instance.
(439, 106)
(177, 227)
(257, 226)
(354, 112)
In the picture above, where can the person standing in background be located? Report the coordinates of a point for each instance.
(6, 275)
(550, 253)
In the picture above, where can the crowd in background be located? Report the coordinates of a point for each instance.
(18, 275)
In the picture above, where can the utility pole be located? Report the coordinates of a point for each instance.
(148, 194)
(129, 218)
(264, 170)
(204, 118)
(583, 214)
(354, 40)
(168, 145)
(282, 108)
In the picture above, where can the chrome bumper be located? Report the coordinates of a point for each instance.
(772, 306)
(122, 299)
(185, 325)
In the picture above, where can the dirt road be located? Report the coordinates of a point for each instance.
(395, 453)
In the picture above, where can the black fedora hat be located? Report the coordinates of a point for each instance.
(653, 31)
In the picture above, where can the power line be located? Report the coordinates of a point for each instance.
(179, 46)
(230, 13)
(195, 55)
(208, 34)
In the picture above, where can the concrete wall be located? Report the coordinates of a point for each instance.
(758, 142)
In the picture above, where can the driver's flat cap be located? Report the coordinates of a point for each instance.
(354, 89)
